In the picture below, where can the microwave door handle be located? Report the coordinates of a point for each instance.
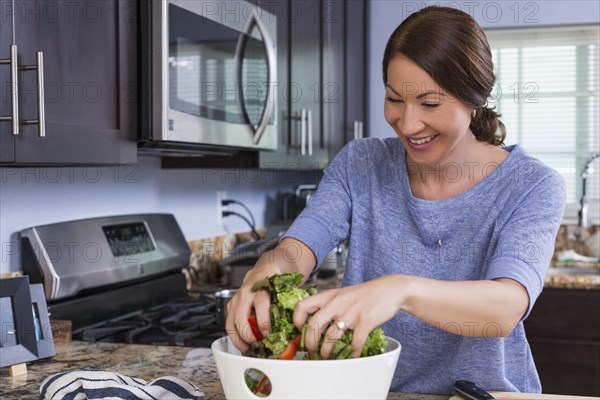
(239, 51)
(269, 107)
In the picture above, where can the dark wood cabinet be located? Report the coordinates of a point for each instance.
(90, 82)
(355, 71)
(563, 330)
(321, 74)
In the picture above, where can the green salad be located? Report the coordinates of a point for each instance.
(285, 340)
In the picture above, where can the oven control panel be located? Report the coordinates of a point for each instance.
(128, 239)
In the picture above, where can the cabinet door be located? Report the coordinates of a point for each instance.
(280, 159)
(90, 68)
(302, 141)
(356, 79)
(324, 72)
(334, 83)
(562, 331)
(306, 85)
(7, 140)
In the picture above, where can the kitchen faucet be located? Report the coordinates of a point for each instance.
(582, 216)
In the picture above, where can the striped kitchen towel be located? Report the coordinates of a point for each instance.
(94, 384)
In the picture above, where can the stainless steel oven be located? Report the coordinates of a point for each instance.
(210, 74)
(121, 278)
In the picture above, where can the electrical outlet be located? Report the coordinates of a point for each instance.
(221, 195)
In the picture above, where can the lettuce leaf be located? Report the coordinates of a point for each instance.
(285, 295)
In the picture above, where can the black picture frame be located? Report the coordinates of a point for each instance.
(26, 347)
(45, 342)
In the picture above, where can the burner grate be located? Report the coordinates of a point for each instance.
(178, 323)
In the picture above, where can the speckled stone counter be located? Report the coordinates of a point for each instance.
(573, 275)
(586, 281)
(565, 276)
(141, 361)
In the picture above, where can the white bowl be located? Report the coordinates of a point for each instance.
(356, 378)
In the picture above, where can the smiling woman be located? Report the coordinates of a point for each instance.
(450, 234)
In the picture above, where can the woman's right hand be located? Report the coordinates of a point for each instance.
(290, 255)
(240, 307)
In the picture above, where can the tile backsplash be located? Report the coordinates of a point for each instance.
(206, 253)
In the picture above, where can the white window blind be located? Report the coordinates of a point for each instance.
(547, 93)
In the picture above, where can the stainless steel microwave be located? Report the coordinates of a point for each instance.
(209, 74)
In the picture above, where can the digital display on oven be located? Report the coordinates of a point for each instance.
(128, 239)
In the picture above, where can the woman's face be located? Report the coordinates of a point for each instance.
(433, 125)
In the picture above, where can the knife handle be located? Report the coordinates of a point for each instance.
(468, 390)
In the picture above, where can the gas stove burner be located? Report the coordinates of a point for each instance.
(107, 330)
(178, 323)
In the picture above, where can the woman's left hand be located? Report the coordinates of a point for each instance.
(361, 308)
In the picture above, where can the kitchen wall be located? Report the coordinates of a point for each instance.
(37, 196)
(386, 15)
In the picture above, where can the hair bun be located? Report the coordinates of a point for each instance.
(486, 126)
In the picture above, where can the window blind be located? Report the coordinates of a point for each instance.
(547, 93)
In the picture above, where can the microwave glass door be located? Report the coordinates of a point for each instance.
(216, 72)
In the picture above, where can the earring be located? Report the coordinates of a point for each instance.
(474, 113)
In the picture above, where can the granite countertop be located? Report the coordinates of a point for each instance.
(195, 365)
(573, 276)
(563, 277)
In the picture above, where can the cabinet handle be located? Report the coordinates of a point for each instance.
(41, 95)
(41, 120)
(310, 140)
(358, 129)
(303, 132)
(14, 81)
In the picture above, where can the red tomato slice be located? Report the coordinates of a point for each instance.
(264, 386)
(297, 341)
(254, 327)
(289, 352)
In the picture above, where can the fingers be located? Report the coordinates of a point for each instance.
(307, 306)
(239, 309)
(230, 326)
(324, 310)
(317, 324)
(359, 338)
(262, 305)
(333, 334)
(320, 310)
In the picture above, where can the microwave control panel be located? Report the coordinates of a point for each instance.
(128, 239)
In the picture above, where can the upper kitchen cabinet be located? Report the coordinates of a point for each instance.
(87, 57)
(321, 81)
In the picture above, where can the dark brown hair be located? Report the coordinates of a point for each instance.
(451, 47)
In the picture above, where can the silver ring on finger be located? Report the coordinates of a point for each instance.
(341, 325)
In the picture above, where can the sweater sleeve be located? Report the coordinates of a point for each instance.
(325, 222)
(526, 239)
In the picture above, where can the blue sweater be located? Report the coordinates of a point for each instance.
(503, 227)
